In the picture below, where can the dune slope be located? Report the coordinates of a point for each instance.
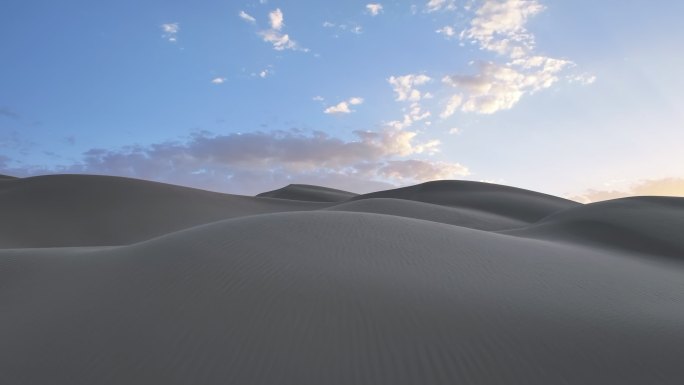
(339, 298)
(646, 225)
(90, 210)
(511, 202)
(458, 216)
(304, 192)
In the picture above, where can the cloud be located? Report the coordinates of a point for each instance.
(413, 114)
(343, 106)
(447, 31)
(265, 73)
(257, 161)
(583, 79)
(276, 19)
(421, 170)
(438, 5)
(170, 31)
(351, 27)
(274, 35)
(405, 86)
(454, 131)
(499, 87)
(218, 80)
(452, 106)
(318, 98)
(247, 17)
(339, 108)
(374, 8)
(657, 187)
(499, 26)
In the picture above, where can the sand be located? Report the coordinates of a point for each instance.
(423, 285)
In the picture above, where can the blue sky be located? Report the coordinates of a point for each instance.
(577, 98)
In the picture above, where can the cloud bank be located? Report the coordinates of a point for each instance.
(254, 162)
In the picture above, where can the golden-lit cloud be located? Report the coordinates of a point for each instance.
(658, 187)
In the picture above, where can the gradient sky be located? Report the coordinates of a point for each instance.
(576, 98)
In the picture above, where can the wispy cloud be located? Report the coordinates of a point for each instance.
(406, 86)
(265, 73)
(247, 17)
(279, 40)
(374, 8)
(439, 5)
(499, 26)
(343, 27)
(343, 106)
(497, 87)
(218, 80)
(447, 31)
(170, 31)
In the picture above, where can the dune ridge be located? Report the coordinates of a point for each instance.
(304, 192)
(419, 286)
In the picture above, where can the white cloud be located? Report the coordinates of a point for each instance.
(583, 79)
(499, 26)
(339, 108)
(404, 86)
(279, 40)
(264, 73)
(499, 87)
(447, 31)
(374, 8)
(414, 114)
(438, 5)
(343, 106)
(276, 19)
(218, 80)
(327, 24)
(170, 31)
(247, 17)
(452, 106)
(318, 98)
(357, 29)
(454, 130)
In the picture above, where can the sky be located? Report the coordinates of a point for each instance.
(578, 98)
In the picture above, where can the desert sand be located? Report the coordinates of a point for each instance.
(108, 280)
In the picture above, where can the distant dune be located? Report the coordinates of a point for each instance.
(303, 192)
(448, 282)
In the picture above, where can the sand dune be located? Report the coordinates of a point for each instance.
(458, 216)
(414, 288)
(511, 202)
(647, 225)
(89, 210)
(304, 192)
